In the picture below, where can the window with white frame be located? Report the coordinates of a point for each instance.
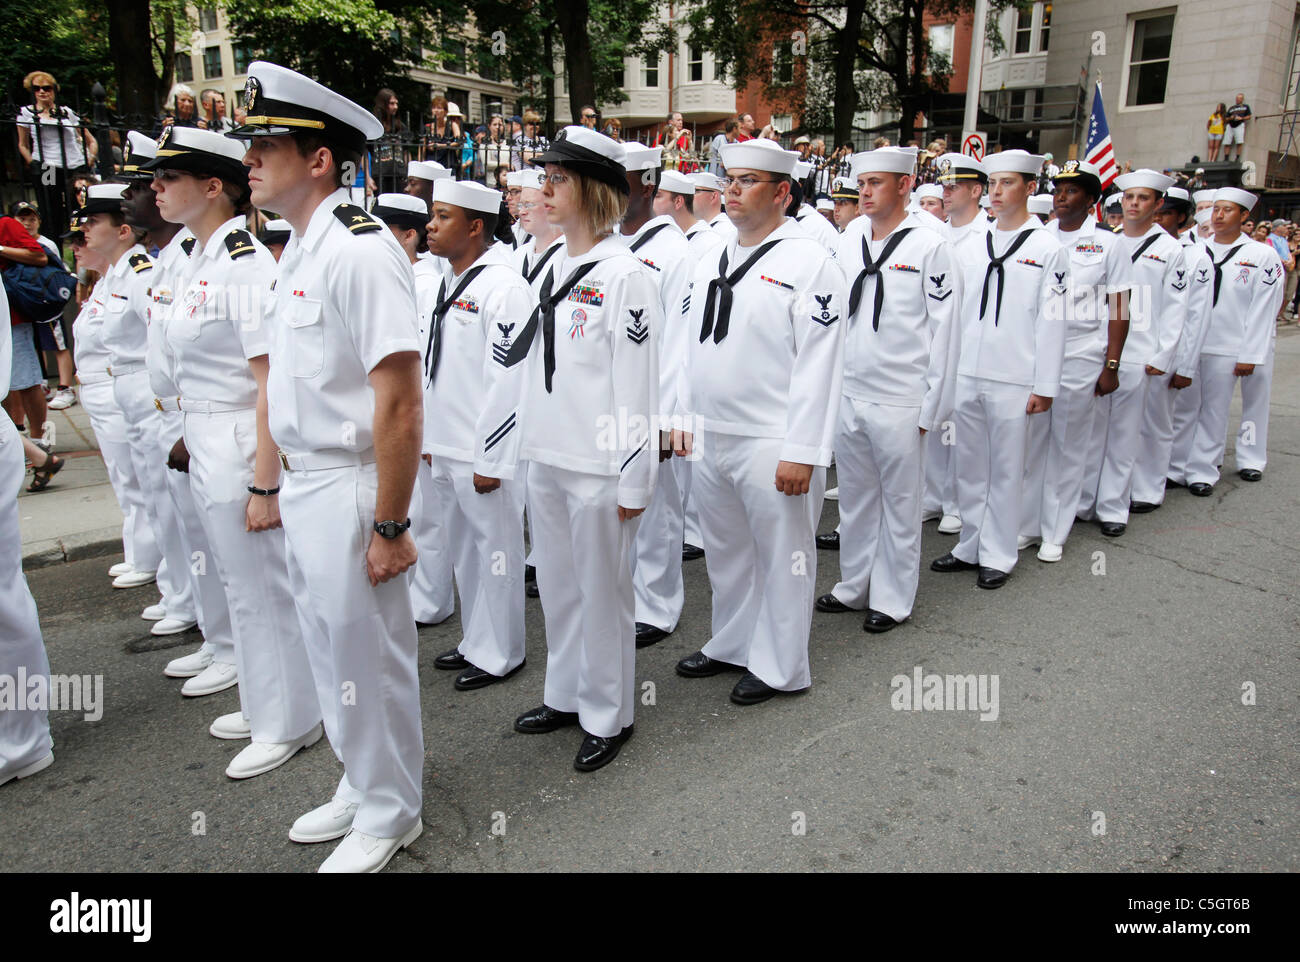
(694, 63)
(1044, 27)
(1148, 52)
(941, 35)
(650, 74)
(1024, 32)
(1028, 27)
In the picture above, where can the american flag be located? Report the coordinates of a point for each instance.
(1099, 150)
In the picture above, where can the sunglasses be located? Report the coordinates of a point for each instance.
(44, 88)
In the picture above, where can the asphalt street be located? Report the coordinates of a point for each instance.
(1121, 679)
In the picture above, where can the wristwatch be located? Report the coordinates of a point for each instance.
(1112, 365)
(391, 529)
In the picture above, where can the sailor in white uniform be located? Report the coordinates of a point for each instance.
(346, 410)
(592, 353)
(708, 204)
(929, 197)
(215, 345)
(758, 401)
(421, 175)
(813, 223)
(545, 242)
(1248, 287)
(1013, 340)
(900, 369)
(1150, 266)
(471, 439)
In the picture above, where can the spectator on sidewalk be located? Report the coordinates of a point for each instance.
(1214, 127)
(1280, 238)
(746, 128)
(1236, 117)
(52, 332)
(54, 145)
(26, 397)
(729, 135)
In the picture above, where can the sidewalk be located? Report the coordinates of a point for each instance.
(77, 516)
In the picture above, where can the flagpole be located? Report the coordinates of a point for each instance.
(975, 67)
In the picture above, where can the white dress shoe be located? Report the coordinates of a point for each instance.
(189, 665)
(261, 757)
(833, 494)
(25, 771)
(325, 823)
(930, 515)
(233, 727)
(950, 524)
(172, 626)
(154, 612)
(1028, 541)
(1049, 552)
(360, 852)
(119, 569)
(134, 579)
(218, 676)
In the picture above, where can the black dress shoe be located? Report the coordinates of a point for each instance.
(1201, 489)
(878, 622)
(829, 542)
(541, 720)
(430, 624)
(530, 589)
(1250, 474)
(751, 690)
(691, 552)
(1113, 529)
(647, 635)
(597, 752)
(992, 578)
(530, 574)
(949, 563)
(700, 665)
(1141, 507)
(474, 677)
(828, 602)
(451, 661)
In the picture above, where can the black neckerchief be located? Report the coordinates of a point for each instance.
(995, 264)
(434, 350)
(533, 274)
(1218, 270)
(871, 268)
(543, 316)
(720, 291)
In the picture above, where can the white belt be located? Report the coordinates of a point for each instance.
(93, 377)
(325, 460)
(131, 367)
(195, 406)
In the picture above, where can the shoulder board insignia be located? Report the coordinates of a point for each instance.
(140, 262)
(355, 219)
(187, 245)
(239, 243)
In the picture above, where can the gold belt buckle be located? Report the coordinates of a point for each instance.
(157, 402)
(108, 369)
(284, 461)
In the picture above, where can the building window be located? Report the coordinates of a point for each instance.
(650, 75)
(243, 57)
(1045, 28)
(694, 63)
(782, 123)
(719, 71)
(211, 62)
(453, 57)
(941, 41)
(1024, 33)
(1016, 112)
(207, 18)
(782, 64)
(1148, 61)
(184, 68)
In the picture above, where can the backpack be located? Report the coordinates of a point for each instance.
(39, 293)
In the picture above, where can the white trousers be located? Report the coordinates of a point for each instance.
(144, 430)
(432, 596)
(276, 690)
(139, 548)
(1156, 445)
(761, 557)
(24, 735)
(657, 554)
(583, 558)
(485, 538)
(1252, 439)
(1187, 405)
(1120, 431)
(940, 471)
(1211, 436)
(361, 643)
(990, 424)
(691, 533)
(1057, 445)
(878, 457)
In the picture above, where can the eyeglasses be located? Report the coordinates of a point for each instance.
(588, 116)
(45, 88)
(746, 182)
(556, 180)
(527, 205)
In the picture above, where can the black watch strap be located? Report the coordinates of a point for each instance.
(391, 529)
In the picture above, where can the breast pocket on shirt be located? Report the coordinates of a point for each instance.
(303, 319)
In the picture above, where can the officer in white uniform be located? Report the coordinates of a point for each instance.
(1058, 442)
(708, 204)
(654, 236)
(844, 194)
(591, 346)
(757, 403)
(471, 436)
(346, 411)
(215, 345)
(25, 743)
(1248, 287)
(964, 183)
(1013, 340)
(900, 369)
(1150, 265)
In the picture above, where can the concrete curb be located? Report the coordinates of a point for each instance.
(99, 543)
